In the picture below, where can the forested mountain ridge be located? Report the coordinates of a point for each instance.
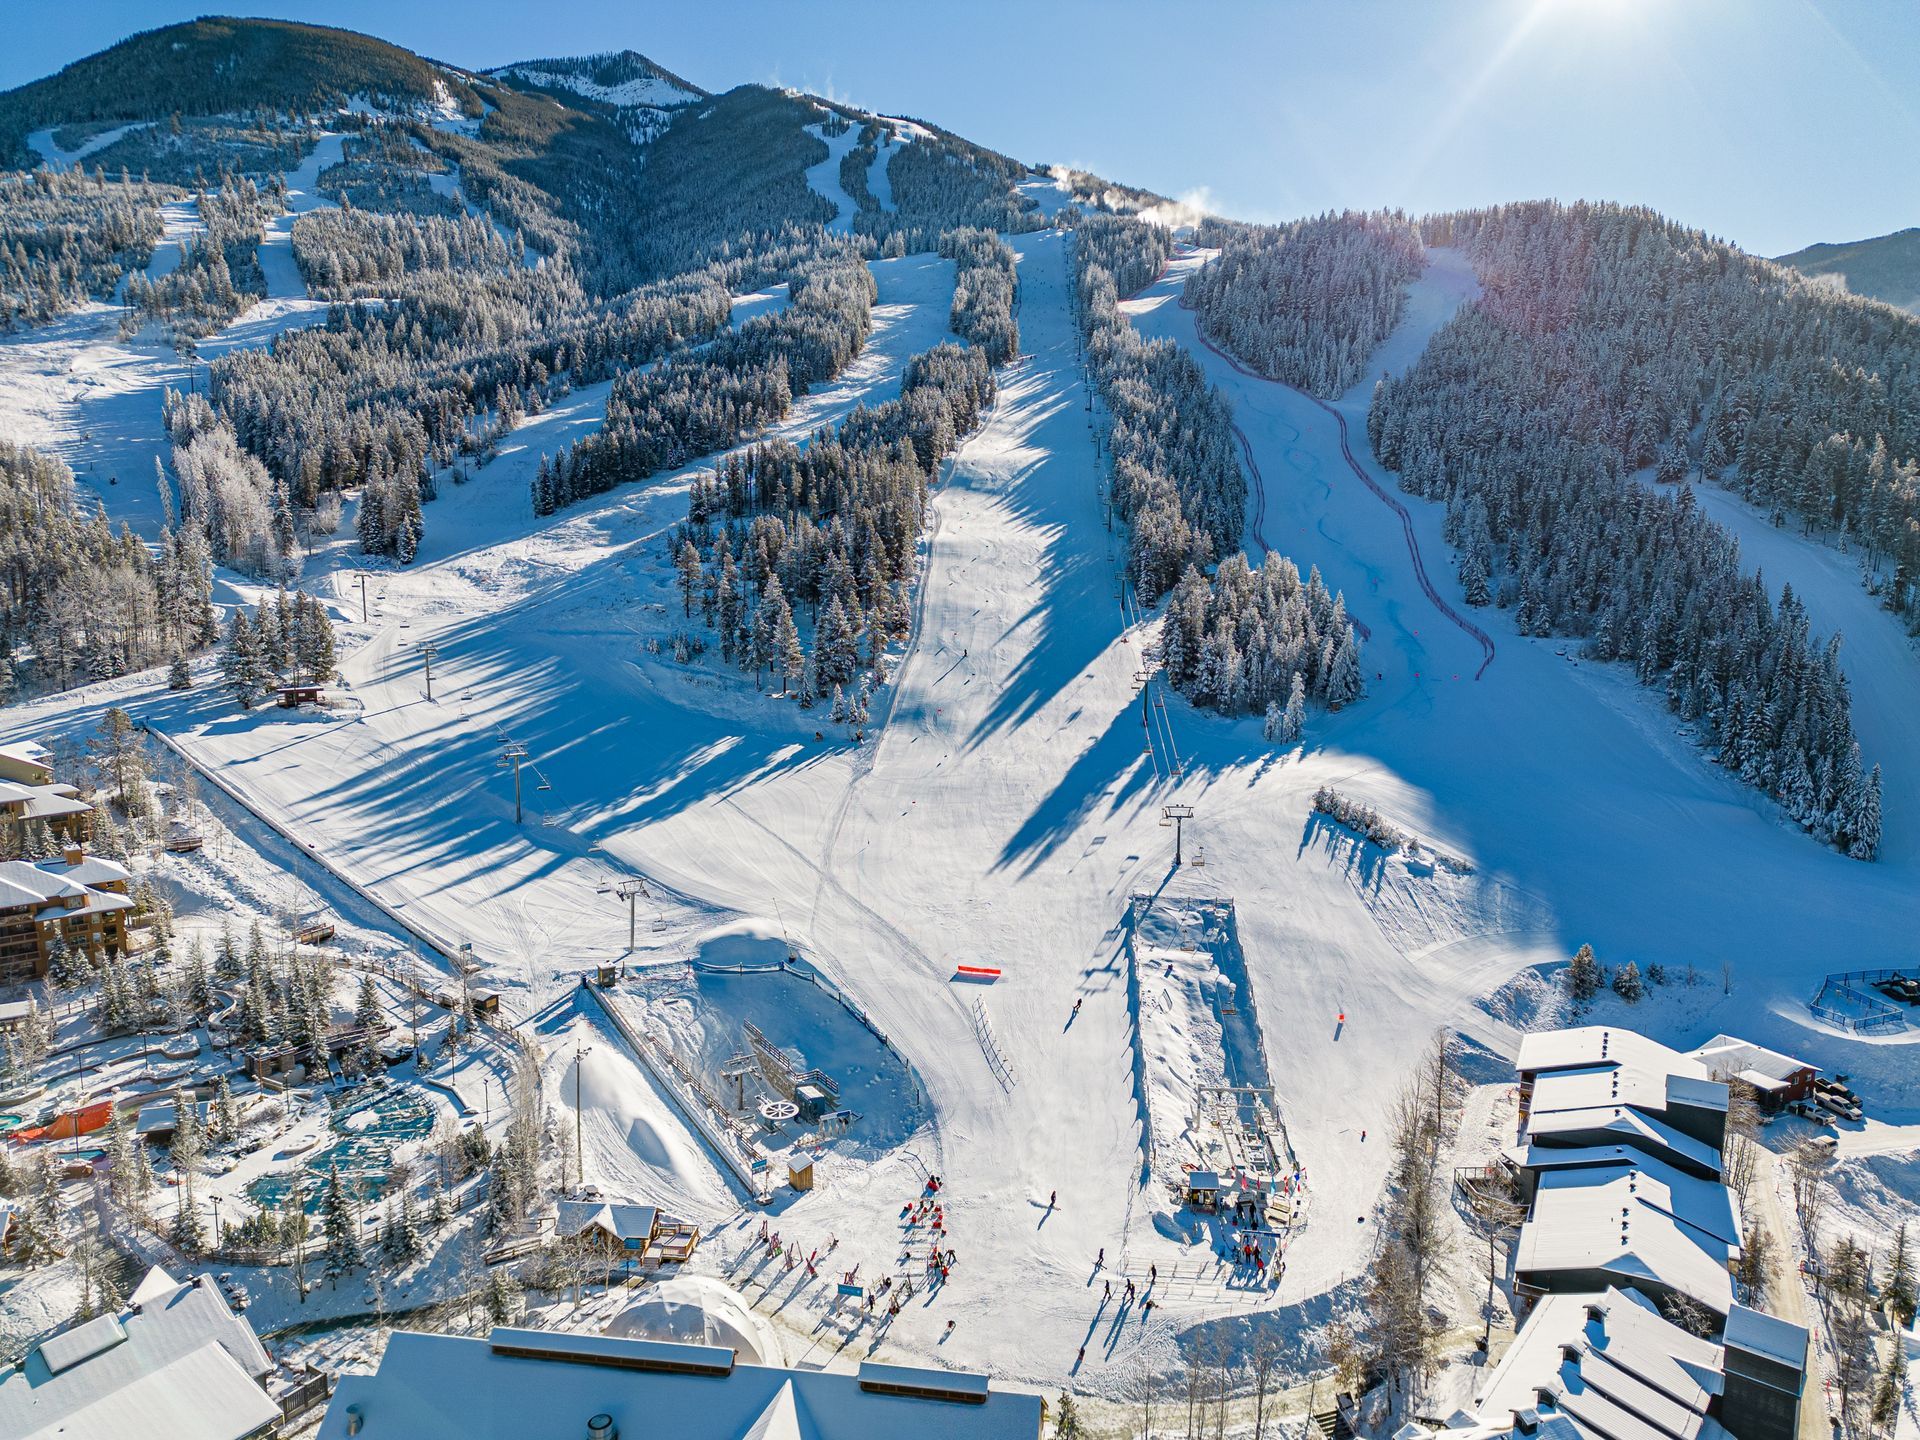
(218, 66)
(618, 78)
(1887, 267)
(640, 96)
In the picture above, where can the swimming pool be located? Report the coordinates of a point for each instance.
(367, 1132)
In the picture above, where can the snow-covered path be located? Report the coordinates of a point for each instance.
(303, 194)
(824, 179)
(42, 143)
(1354, 403)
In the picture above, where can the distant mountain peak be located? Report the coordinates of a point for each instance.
(1887, 267)
(623, 79)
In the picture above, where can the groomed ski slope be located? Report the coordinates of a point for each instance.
(541, 626)
(1564, 778)
(1009, 810)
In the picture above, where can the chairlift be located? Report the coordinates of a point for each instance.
(544, 784)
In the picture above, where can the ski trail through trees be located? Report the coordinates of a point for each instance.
(1479, 636)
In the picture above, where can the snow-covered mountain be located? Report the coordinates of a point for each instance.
(642, 96)
(1886, 267)
(622, 78)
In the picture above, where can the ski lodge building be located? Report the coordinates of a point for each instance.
(80, 899)
(1608, 1366)
(554, 1385)
(640, 1233)
(1628, 1222)
(26, 762)
(1637, 1223)
(175, 1362)
(1599, 1085)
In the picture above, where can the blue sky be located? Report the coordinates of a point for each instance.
(1773, 123)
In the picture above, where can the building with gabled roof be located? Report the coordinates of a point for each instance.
(554, 1385)
(1776, 1079)
(616, 1223)
(77, 898)
(26, 762)
(1600, 1085)
(1664, 1234)
(176, 1362)
(1608, 1366)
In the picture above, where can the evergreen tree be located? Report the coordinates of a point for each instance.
(404, 1241)
(1627, 984)
(1583, 975)
(226, 1120)
(41, 1229)
(1901, 1291)
(339, 1224)
(502, 1303)
(1293, 723)
(242, 664)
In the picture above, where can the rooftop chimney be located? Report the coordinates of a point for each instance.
(72, 853)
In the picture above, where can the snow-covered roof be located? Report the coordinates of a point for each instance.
(1592, 1065)
(1766, 1335)
(26, 752)
(23, 883)
(1634, 1128)
(1583, 1045)
(1623, 1233)
(620, 1219)
(1757, 1065)
(42, 802)
(88, 870)
(541, 1397)
(177, 1362)
(1611, 1366)
(1588, 1086)
(1705, 1206)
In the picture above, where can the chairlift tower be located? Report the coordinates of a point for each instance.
(1176, 816)
(427, 651)
(628, 890)
(514, 754)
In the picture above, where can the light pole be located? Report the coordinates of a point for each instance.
(579, 1155)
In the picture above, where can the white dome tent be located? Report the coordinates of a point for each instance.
(699, 1310)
